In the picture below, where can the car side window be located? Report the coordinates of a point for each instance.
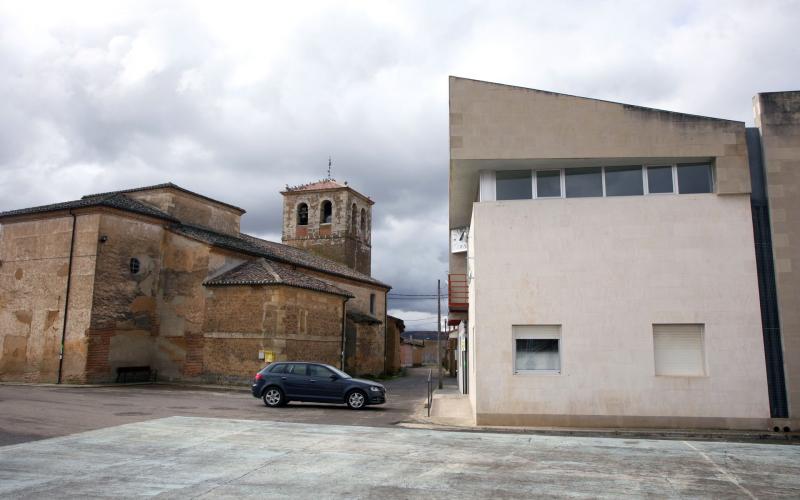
(319, 371)
(278, 368)
(298, 369)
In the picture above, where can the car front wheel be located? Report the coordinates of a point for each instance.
(356, 400)
(273, 397)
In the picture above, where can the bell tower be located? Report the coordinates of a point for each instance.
(329, 219)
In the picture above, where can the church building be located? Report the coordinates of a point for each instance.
(160, 279)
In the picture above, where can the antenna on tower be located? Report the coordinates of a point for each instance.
(330, 162)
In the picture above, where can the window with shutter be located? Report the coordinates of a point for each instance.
(537, 348)
(679, 350)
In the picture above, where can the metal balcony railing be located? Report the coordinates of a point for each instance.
(458, 293)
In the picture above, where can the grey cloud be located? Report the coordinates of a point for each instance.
(236, 111)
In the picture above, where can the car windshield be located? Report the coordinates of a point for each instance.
(338, 372)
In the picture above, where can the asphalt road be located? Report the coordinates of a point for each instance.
(189, 457)
(29, 413)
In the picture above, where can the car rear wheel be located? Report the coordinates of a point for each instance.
(356, 400)
(273, 397)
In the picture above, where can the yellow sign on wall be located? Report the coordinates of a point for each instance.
(267, 356)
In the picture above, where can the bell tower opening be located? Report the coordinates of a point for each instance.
(330, 219)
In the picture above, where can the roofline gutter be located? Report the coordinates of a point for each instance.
(66, 298)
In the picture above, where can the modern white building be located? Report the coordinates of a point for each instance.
(603, 265)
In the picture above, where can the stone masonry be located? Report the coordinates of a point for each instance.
(141, 261)
(346, 238)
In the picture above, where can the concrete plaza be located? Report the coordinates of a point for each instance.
(180, 457)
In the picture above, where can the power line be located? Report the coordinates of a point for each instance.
(416, 298)
(390, 294)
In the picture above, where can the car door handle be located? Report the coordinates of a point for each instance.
(283, 378)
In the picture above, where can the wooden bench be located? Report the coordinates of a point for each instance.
(137, 373)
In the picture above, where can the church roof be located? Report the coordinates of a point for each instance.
(112, 200)
(274, 252)
(264, 272)
(324, 185)
(358, 317)
(320, 184)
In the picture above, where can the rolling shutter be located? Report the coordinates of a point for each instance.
(679, 350)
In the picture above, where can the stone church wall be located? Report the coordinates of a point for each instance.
(180, 304)
(294, 324)
(124, 313)
(192, 210)
(369, 349)
(362, 292)
(154, 317)
(369, 352)
(181, 308)
(394, 327)
(160, 316)
(34, 259)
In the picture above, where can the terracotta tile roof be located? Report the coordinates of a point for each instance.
(165, 186)
(113, 200)
(264, 272)
(320, 184)
(274, 252)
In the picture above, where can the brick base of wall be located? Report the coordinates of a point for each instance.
(98, 368)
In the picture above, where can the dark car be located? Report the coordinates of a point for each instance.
(281, 382)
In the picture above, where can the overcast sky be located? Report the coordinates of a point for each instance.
(236, 99)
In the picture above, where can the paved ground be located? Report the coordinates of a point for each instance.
(29, 413)
(180, 457)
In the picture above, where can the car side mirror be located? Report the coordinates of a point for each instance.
(334, 377)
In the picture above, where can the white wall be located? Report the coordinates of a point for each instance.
(472, 369)
(606, 269)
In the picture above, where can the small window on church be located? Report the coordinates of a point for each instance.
(354, 218)
(372, 303)
(327, 212)
(134, 265)
(302, 214)
(363, 221)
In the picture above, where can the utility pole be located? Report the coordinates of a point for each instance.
(439, 328)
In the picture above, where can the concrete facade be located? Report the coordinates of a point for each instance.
(605, 270)
(778, 120)
(165, 315)
(606, 291)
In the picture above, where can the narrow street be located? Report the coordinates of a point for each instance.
(29, 413)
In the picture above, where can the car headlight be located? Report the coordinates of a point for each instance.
(374, 388)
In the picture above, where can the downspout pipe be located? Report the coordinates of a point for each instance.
(66, 299)
(344, 326)
(385, 328)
